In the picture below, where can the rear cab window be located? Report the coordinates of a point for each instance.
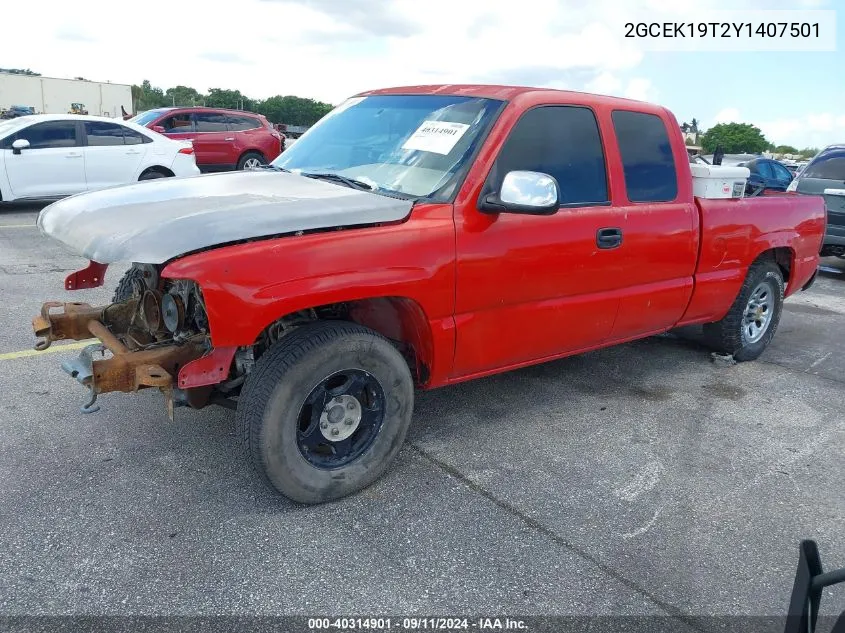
(647, 159)
(564, 142)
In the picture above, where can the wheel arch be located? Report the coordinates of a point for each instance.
(783, 256)
(401, 320)
(252, 150)
(159, 168)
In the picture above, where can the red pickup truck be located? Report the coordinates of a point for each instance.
(416, 237)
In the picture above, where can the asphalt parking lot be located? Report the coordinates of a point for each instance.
(643, 479)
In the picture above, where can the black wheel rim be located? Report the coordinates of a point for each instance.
(340, 419)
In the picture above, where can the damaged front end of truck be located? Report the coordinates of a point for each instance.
(142, 342)
(156, 334)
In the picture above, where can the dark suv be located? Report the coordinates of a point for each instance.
(825, 175)
(223, 139)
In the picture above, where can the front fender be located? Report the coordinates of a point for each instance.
(247, 287)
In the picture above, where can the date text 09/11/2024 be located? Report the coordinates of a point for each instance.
(721, 29)
(416, 624)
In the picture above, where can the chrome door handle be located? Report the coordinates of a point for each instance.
(73, 155)
(229, 139)
(133, 151)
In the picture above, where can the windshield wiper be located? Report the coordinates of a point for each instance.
(273, 168)
(349, 182)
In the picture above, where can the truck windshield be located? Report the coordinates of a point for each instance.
(407, 145)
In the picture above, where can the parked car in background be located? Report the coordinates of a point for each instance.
(17, 111)
(45, 156)
(223, 139)
(767, 173)
(825, 175)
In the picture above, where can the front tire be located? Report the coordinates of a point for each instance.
(748, 328)
(325, 411)
(132, 284)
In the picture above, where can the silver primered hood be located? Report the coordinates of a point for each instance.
(154, 221)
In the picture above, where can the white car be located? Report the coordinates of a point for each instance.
(50, 156)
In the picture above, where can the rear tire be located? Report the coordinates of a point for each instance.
(251, 160)
(326, 380)
(748, 327)
(152, 175)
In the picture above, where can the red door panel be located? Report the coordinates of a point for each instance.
(661, 249)
(529, 287)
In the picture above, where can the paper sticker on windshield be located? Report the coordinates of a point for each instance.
(438, 137)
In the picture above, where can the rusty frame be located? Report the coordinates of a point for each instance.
(127, 369)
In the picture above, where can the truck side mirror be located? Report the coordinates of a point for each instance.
(526, 192)
(160, 129)
(20, 144)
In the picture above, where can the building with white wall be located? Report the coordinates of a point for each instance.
(49, 95)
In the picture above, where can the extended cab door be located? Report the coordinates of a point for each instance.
(52, 165)
(660, 222)
(530, 287)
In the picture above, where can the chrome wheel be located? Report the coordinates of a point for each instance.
(252, 163)
(758, 313)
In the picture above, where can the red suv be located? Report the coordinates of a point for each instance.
(223, 139)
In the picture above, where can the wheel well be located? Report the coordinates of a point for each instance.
(159, 169)
(399, 319)
(782, 256)
(252, 151)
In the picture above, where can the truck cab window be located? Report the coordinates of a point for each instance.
(650, 174)
(563, 142)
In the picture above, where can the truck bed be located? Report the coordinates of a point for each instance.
(732, 232)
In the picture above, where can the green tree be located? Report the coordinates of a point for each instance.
(784, 149)
(146, 97)
(183, 96)
(223, 98)
(735, 138)
(809, 152)
(293, 110)
(690, 141)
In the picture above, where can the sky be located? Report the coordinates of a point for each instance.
(332, 49)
